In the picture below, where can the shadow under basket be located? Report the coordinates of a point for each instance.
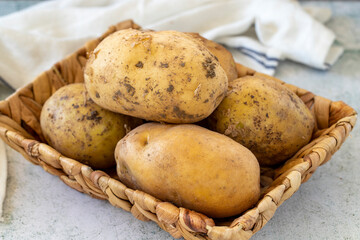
(20, 129)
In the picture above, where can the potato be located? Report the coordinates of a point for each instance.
(191, 167)
(160, 76)
(265, 117)
(78, 128)
(222, 54)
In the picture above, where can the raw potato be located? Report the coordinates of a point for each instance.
(160, 76)
(222, 54)
(265, 117)
(78, 128)
(191, 167)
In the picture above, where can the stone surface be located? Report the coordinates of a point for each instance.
(39, 206)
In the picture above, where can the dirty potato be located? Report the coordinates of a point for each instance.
(222, 54)
(78, 128)
(265, 117)
(191, 167)
(161, 76)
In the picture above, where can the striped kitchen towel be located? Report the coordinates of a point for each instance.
(260, 34)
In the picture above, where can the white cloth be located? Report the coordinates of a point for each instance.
(3, 176)
(259, 33)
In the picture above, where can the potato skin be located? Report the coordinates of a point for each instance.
(224, 57)
(191, 167)
(78, 128)
(161, 76)
(264, 116)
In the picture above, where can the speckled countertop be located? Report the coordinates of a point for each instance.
(39, 206)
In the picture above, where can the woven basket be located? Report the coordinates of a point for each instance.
(20, 129)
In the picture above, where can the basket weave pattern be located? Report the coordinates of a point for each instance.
(20, 129)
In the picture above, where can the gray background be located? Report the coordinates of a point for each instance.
(39, 206)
